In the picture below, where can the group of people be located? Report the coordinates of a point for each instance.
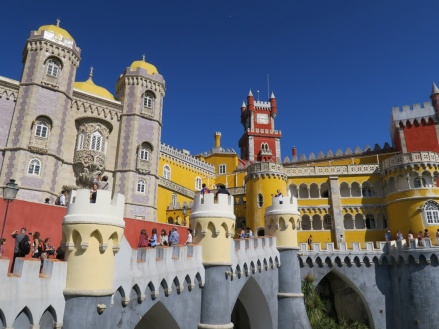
(163, 240)
(410, 236)
(100, 183)
(246, 232)
(221, 190)
(37, 247)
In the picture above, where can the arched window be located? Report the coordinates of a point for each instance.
(432, 213)
(198, 183)
(96, 141)
(141, 186)
(148, 100)
(166, 172)
(419, 182)
(81, 141)
(370, 221)
(144, 153)
(53, 67)
(260, 200)
(34, 167)
(174, 199)
(41, 129)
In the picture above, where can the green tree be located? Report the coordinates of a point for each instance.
(315, 308)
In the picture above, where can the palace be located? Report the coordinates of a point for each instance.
(58, 133)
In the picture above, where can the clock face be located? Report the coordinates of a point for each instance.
(262, 118)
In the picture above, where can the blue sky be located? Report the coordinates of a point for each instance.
(335, 67)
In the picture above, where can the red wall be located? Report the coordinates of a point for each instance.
(47, 219)
(421, 138)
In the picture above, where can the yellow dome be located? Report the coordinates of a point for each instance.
(151, 69)
(90, 87)
(57, 30)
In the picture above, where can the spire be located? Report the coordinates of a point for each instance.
(434, 90)
(250, 93)
(143, 57)
(90, 75)
(272, 95)
(58, 21)
(243, 104)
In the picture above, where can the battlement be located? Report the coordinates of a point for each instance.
(57, 38)
(408, 158)
(149, 269)
(29, 291)
(209, 206)
(254, 255)
(270, 132)
(289, 206)
(392, 252)
(261, 105)
(411, 113)
(104, 211)
(173, 152)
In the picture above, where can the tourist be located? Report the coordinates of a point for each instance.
(437, 237)
(399, 236)
(163, 238)
(221, 190)
(18, 252)
(426, 234)
(174, 237)
(36, 247)
(204, 190)
(410, 235)
(279, 196)
(309, 241)
(143, 239)
(248, 233)
(47, 200)
(420, 237)
(189, 236)
(93, 193)
(153, 240)
(242, 235)
(341, 239)
(103, 184)
(49, 249)
(2, 250)
(388, 235)
(62, 198)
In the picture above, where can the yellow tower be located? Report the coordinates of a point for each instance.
(213, 221)
(92, 234)
(262, 182)
(282, 221)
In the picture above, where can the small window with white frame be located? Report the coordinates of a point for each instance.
(41, 129)
(53, 67)
(81, 141)
(198, 183)
(222, 169)
(144, 154)
(148, 100)
(174, 199)
(419, 182)
(166, 172)
(34, 167)
(141, 186)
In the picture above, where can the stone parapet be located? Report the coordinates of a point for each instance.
(407, 159)
(29, 291)
(149, 269)
(392, 252)
(208, 206)
(252, 256)
(289, 206)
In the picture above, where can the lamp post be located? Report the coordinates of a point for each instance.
(184, 211)
(9, 193)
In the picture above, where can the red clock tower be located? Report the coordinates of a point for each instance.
(260, 141)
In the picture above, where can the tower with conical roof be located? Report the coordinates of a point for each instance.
(141, 90)
(260, 140)
(34, 153)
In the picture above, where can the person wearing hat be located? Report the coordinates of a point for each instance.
(388, 235)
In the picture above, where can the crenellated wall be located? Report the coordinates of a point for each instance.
(30, 298)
